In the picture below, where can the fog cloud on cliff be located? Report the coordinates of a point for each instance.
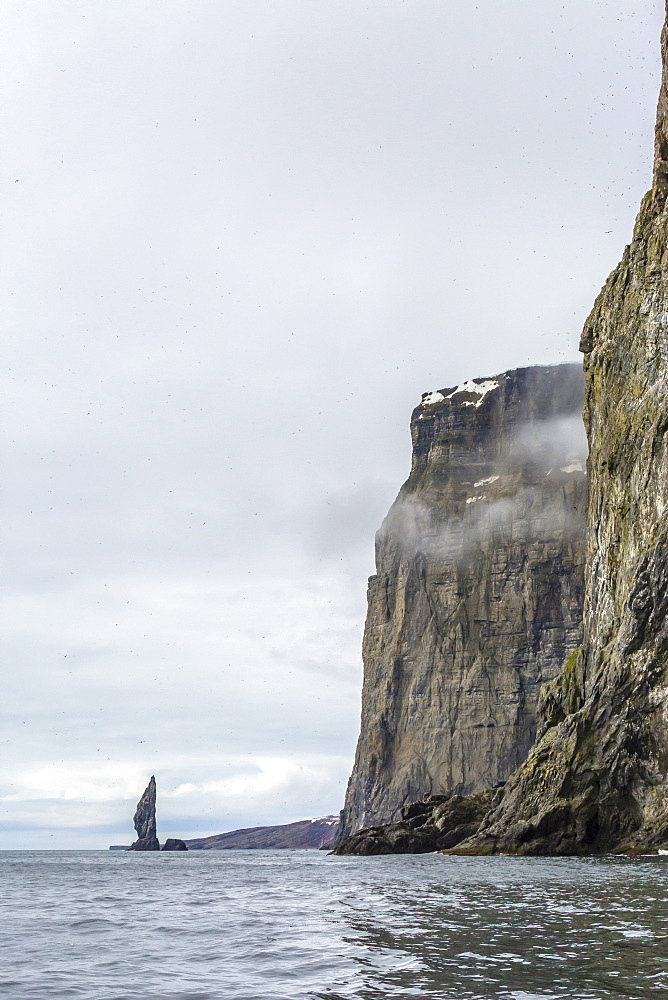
(537, 448)
(527, 514)
(551, 443)
(240, 240)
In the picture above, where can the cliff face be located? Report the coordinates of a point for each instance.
(597, 780)
(478, 592)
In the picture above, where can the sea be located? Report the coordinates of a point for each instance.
(292, 925)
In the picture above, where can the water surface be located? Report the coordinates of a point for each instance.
(292, 925)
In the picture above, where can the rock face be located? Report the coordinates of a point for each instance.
(597, 779)
(144, 821)
(313, 834)
(436, 823)
(478, 591)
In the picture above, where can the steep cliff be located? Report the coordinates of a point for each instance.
(478, 591)
(597, 780)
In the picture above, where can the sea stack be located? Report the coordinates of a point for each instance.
(144, 821)
(174, 844)
(478, 592)
(597, 779)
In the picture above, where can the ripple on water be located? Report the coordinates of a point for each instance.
(298, 925)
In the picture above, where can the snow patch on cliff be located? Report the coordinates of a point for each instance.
(429, 398)
(479, 388)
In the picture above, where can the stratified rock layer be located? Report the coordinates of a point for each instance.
(144, 821)
(477, 597)
(597, 779)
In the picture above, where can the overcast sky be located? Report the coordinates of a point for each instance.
(239, 240)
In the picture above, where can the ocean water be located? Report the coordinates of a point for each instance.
(291, 925)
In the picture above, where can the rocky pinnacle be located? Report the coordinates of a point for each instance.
(144, 821)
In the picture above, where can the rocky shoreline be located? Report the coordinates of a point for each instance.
(435, 823)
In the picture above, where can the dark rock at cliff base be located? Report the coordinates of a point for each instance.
(597, 779)
(174, 844)
(436, 823)
(144, 821)
(478, 592)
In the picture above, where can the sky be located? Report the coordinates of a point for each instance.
(239, 241)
